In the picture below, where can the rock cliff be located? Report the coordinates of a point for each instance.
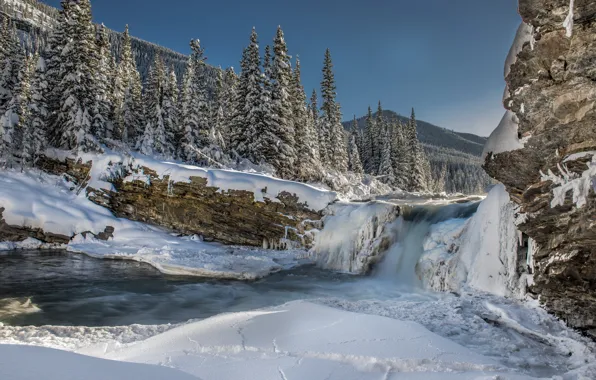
(551, 173)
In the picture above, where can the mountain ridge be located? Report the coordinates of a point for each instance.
(433, 135)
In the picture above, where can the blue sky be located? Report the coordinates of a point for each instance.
(443, 57)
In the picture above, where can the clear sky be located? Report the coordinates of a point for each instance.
(443, 57)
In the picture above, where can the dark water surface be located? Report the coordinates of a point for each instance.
(76, 290)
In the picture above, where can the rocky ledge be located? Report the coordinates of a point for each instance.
(252, 216)
(552, 92)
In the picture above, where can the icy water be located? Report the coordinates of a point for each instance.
(76, 290)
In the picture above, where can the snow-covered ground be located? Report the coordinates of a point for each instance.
(299, 340)
(39, 200)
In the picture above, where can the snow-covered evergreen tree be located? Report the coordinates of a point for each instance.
(14, 121)
(102, 106)
(331, 120)
(171, 114)
(249, 112)
(75, 88)
(127, 96)
(355, 164)
(197, 114)
(416, 158)
(386, 165)
(10, 66)
(283, 155)
(308, 167)
(227, 98)
(399, 155)
(377, 143)
(367, 143)
(35, 127)
(154, 140)
(313, 109)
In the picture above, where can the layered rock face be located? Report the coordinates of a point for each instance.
(552, 92)
(193, 206)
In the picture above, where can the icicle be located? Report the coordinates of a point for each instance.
(568, 23)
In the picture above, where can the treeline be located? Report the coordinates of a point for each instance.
(74, 94)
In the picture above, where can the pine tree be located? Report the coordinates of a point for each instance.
(367, 143)
(416, 157)
(284, 154)
(35, 131)
(154, 140)
(386, 166)
(266, 140)
(313, 109)
(171, 114)
(337, 155)
(75, 89)
(10, 67)
(127, 96)
(102, 107)
(196, 120)
(377, 144)
(400, 156)
(227, 98)
(308, 167)
(355, 164)
(249, 115)
(14, 121)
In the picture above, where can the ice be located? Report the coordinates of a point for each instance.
(505, 138)
(39, 200)
(351, 235)
(480, 253)
(567, 181)
(568, 23)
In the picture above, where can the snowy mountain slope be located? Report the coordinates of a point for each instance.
(37, 19)
(435, 136)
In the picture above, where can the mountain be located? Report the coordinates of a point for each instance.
(459, 153)
(36, 20)
(431, 135)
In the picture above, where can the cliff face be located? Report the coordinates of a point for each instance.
(195, 202)
(552, 92)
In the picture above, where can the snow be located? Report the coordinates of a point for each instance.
(109, 165)
(39, 200)
(525, 34)
(567, 181)
(505, 138)
(301, 340)
(29, 243)
(27, 363)
(351, 235)
(568, 23)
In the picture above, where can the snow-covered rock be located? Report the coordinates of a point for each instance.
(505, 138)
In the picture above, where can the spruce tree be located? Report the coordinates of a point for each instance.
(196, 119)
(399, 155)
(308, 167)
(416, 158)
(35, 130)
(367, 144)
(10, 67)
(314, 113)
(102, 106)
(266, 139)
(13, 123)
(283, 155)
(249, 115)
(377, 144)
(227, 99)
(355, 164)
(75, 90)
(154, 140)
(386, 166)
(337, 155)
(171, 114)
